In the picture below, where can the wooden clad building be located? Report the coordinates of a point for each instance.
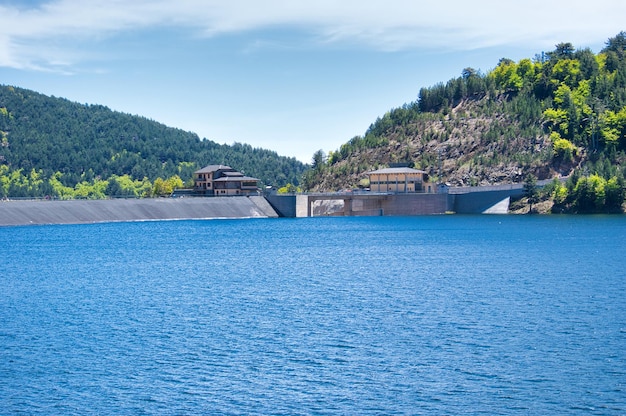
(400, 180)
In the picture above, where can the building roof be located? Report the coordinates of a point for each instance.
(232, 173)
(213, 168)
(392, 171)
(236, 179)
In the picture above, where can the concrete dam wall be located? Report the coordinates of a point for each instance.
(477, 200)
(360, 204)
(471, 200)
(112, 210)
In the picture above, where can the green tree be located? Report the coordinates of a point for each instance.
(4, 181)
(616, 44)
(173, 183)
(589, 194)
(159, 188)
(319, 159)
(614, 194)
(559, 194)
(563, 149)
(166, 187)
(59, 190)
(91, 190)
(125, 186)
(531, 192)
(563, 50)
(506, 75)
(613, 128)
(289, 189)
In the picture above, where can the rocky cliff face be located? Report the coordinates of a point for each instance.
(478, 142)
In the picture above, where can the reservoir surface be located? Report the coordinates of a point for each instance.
(360, 315)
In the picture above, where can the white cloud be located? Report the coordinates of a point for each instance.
(58, 30)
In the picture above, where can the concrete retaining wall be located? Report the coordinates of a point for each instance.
(111, 210)
(284, 205)
(485, 202)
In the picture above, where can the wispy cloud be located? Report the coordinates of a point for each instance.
(56, 34)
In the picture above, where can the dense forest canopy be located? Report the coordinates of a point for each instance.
(54, 147)
(560, 114)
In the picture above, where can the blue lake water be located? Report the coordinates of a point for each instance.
(422, 315)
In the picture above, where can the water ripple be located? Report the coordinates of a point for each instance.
(435, 315)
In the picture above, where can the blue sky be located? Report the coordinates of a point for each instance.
(290, 76)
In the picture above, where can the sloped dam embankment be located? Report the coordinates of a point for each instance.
(34, 212)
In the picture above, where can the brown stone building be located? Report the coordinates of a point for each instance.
(220, 180)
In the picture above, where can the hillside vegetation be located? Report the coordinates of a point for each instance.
(560, 114)
(53, 147)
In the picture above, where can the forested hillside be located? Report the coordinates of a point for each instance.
(559, 114)
(53, 147)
